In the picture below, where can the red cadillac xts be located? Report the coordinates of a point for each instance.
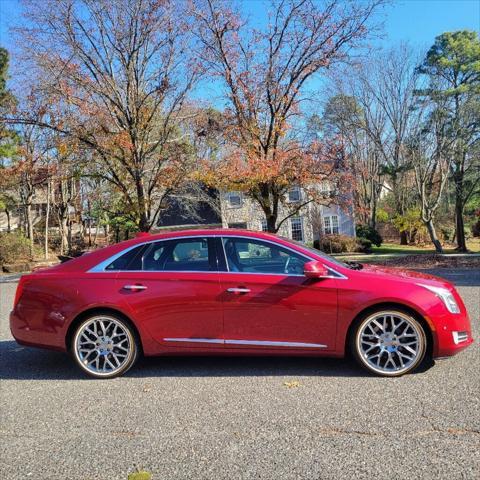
(234, 292)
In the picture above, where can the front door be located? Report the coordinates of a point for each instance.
(173, 288)
(270, 304)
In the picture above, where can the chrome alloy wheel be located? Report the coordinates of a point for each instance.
(104, 346)
(390, 343)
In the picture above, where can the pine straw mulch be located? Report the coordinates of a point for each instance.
(428, 261)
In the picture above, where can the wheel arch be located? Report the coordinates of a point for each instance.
(99, 311)
(392, 306)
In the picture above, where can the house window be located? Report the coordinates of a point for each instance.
(295, 194)
(234, 199)
(326, 188)
(264, 227)
(297, 228)
(330, 224)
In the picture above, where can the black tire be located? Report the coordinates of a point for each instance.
(386, 350)
(104, 346)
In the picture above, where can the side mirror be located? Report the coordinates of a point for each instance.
(315, 269)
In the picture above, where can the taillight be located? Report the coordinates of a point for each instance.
(21, 285)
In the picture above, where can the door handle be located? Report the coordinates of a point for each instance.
(238, 290)
(134, 288)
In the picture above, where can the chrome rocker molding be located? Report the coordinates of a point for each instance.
(259, 343)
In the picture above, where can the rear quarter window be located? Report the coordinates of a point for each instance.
(131, 260)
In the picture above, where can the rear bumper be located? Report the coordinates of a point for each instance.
(24, 334)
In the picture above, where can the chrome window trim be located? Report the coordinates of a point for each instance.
(100, 268)
(339, 277)
(103, 265)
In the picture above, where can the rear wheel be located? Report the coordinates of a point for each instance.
(389, 343)
(104, 346)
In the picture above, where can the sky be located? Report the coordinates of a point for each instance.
(417, 22)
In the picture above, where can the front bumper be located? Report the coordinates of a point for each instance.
(453, 335)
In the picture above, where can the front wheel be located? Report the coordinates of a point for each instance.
(104, 346)
(389, 343)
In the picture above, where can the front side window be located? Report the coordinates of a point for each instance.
(297, 229)
(254, 256)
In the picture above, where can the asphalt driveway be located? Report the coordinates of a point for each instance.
(238, 418)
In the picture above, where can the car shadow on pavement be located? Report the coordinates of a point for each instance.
(27, 363)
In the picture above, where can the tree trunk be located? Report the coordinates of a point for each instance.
(47, 219)
(95, 236)
(63, 232)
(433, 236)
(403, 238)
(144, 220)
(460, 227)
(272, 223)
(9, 225)
(28, 216)
(69, 235)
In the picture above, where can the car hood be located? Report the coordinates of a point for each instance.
(391, 273)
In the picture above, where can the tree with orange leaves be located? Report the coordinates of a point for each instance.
(116, 75)
(264, 73)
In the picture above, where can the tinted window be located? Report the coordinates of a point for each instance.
(254, 256)
(189, 254)
(131, 260)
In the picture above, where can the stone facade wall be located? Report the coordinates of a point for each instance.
(249, 215)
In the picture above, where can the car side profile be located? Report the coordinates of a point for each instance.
(234, 292)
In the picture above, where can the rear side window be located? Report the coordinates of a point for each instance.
(180, 255)
(189, 254)
(131, 260)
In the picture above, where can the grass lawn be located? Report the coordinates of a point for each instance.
(389, 248)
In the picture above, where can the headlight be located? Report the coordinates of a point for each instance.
(445, 295)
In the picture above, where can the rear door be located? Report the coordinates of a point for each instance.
(270, 304)
(172, 286)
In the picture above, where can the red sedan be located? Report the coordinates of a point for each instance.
(233, 292)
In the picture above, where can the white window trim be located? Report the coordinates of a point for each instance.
(302, 230)
(328, 230)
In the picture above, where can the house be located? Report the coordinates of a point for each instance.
(311, 221)
(234, 210)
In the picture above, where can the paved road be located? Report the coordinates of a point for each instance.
(215, 418)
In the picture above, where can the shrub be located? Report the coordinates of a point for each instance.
(13, 247)
(476, 229)
(337, 244)
(382, 216)
(365, 231)
(364, 245)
